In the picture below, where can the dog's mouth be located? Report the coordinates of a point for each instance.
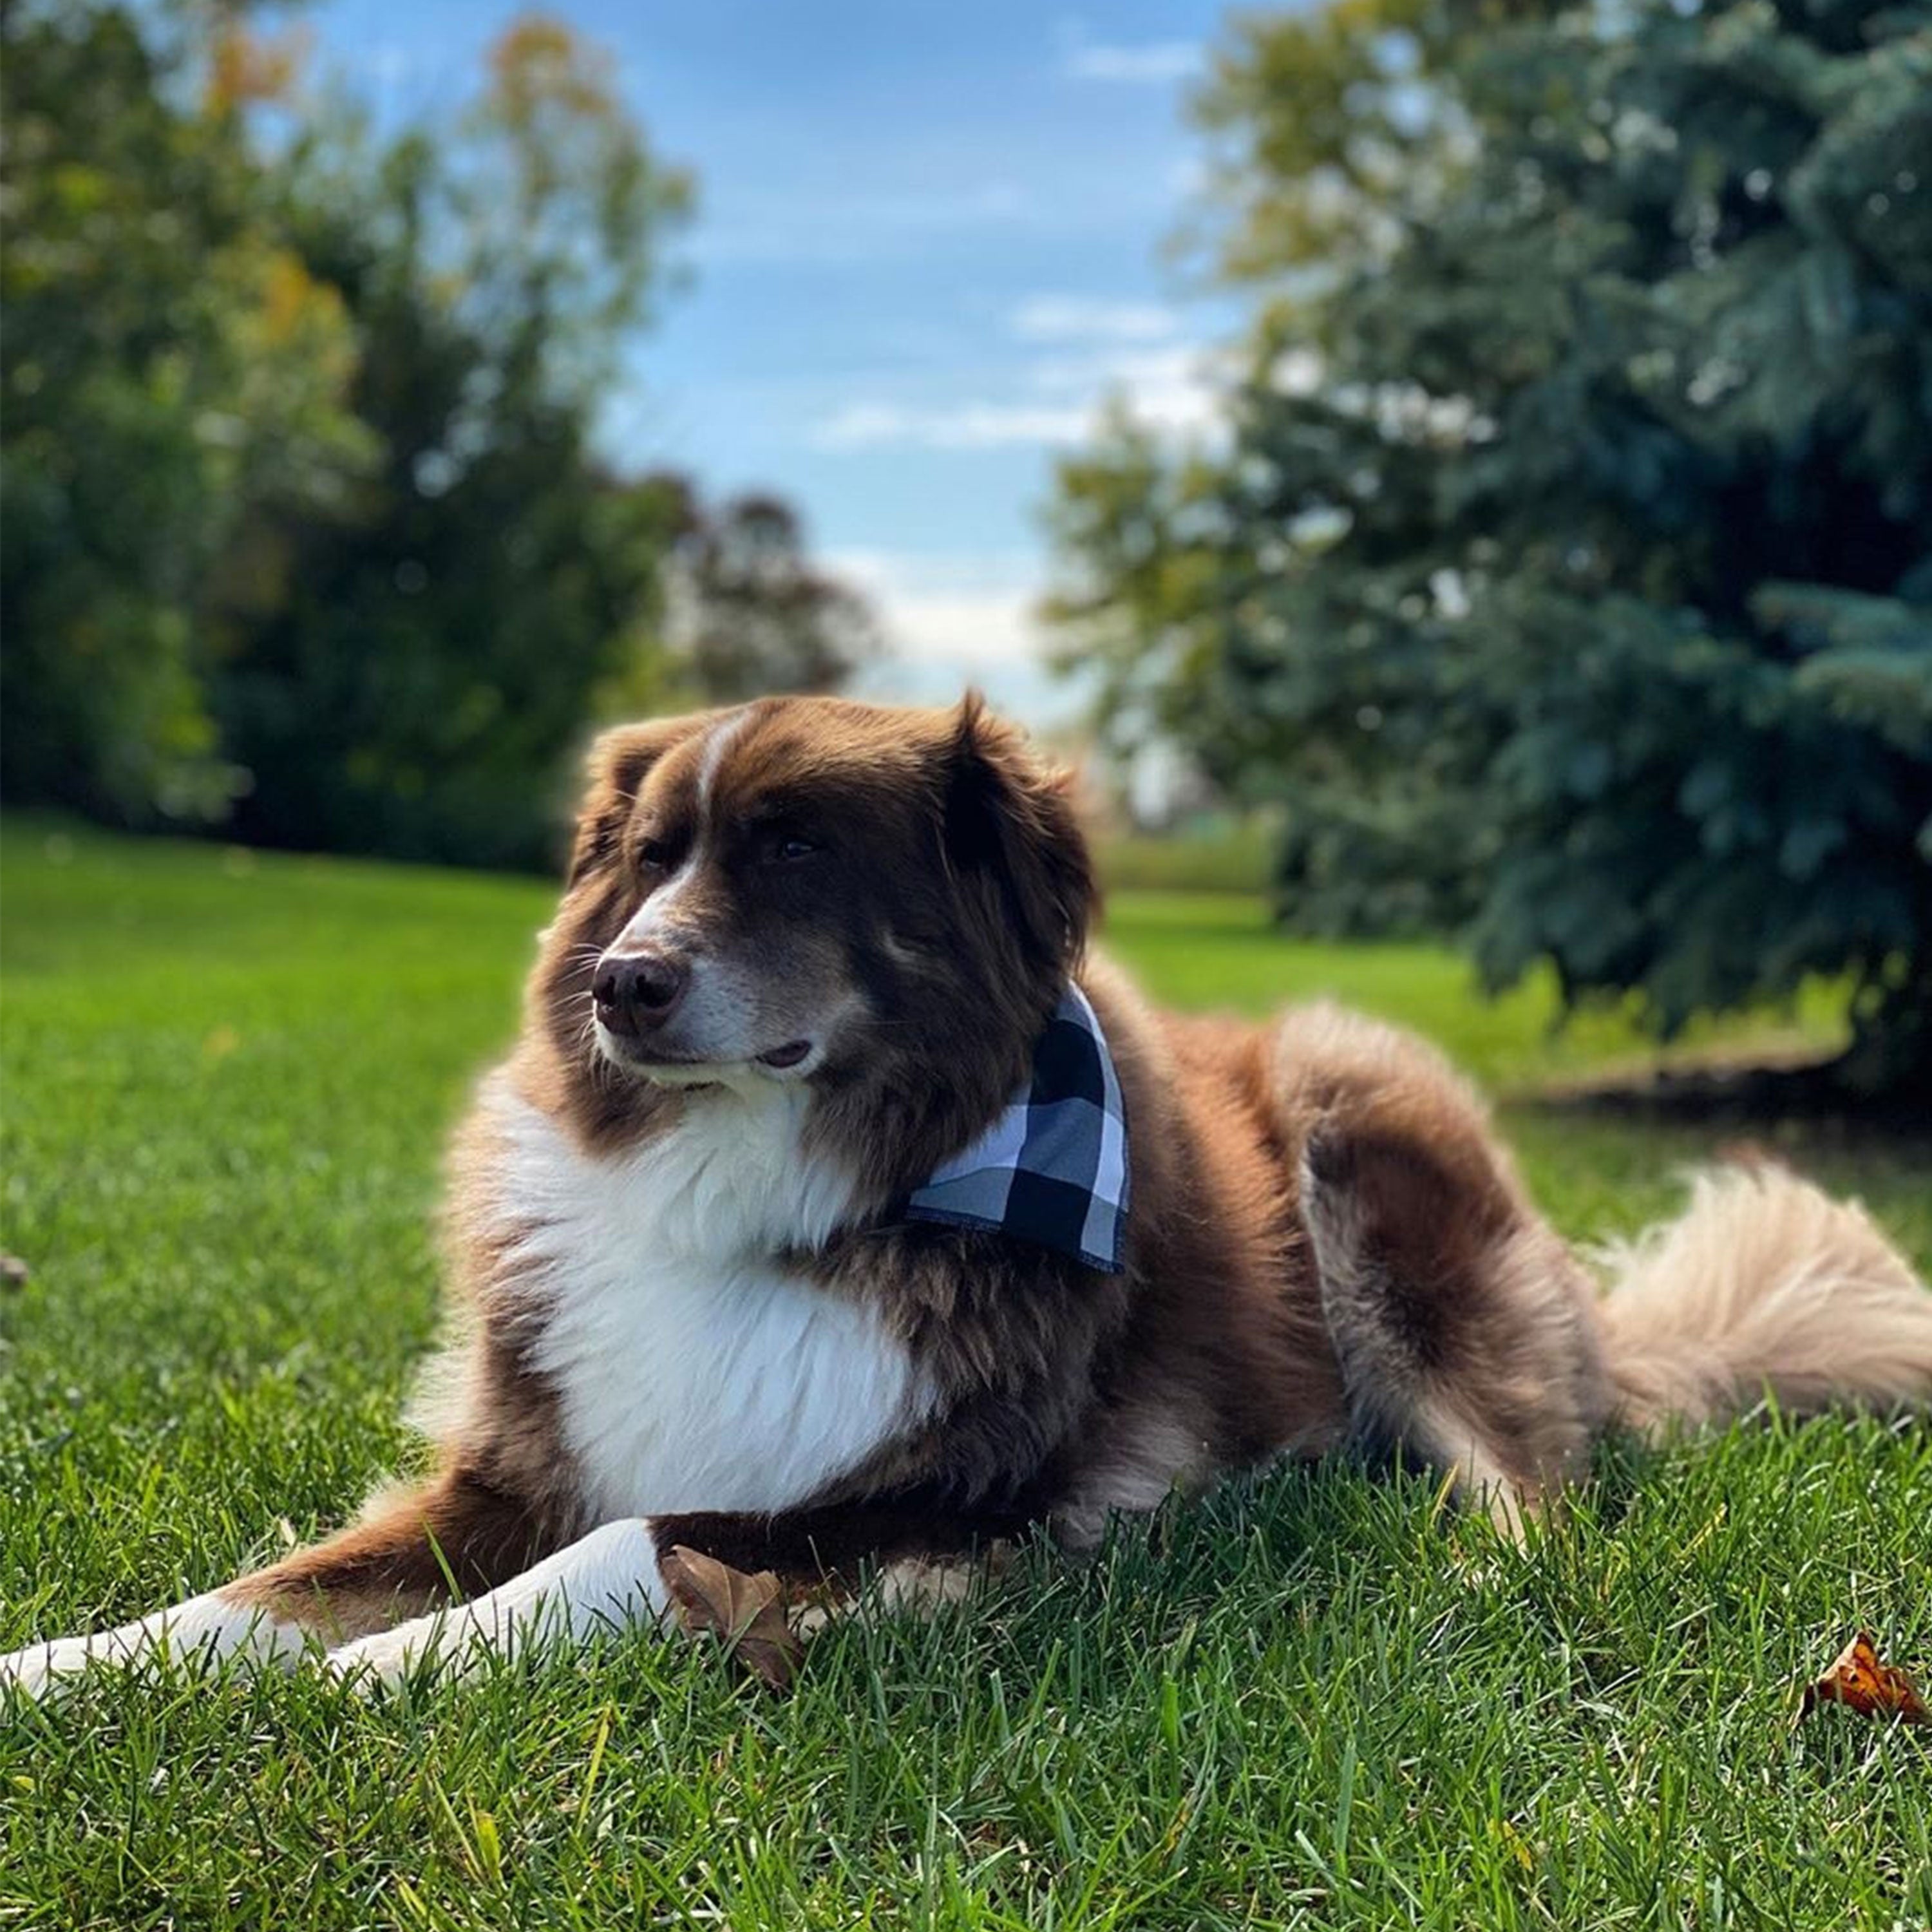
(656, 1062)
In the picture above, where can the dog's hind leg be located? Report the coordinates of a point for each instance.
(1462, 1326)
(401, 1559)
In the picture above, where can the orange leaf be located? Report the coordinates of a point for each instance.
(747, 1612)
(1861, 1679)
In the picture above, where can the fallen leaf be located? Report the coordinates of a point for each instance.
(1862, 1679)
(746, 1612)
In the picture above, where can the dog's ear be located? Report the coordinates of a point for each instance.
(619, 761)
(1010, 823)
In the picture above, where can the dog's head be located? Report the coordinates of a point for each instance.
(811, 890)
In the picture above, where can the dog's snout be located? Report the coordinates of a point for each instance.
(635, 991)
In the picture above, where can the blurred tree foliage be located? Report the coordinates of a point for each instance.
(1565, 567)
(747, 610)
(306, 532)
(169, 360)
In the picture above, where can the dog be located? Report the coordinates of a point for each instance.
(840, 1214)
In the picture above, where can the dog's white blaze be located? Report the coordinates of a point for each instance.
(607, 1580)
(204, 1629)
(656, 913)
(717, 743)
(694, 1370)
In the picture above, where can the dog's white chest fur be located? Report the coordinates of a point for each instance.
(694, 1370)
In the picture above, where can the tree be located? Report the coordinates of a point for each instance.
(308, 531)
(748, 612)
(1567, 571)
(167, 360)
(421, 669)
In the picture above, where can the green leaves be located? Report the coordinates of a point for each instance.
(1615, 409)
(305, 532)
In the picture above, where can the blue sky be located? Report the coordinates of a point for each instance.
(929, 241)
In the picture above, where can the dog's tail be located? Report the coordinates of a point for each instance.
(1764, 1284)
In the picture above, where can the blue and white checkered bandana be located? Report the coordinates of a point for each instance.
(1052, 1169)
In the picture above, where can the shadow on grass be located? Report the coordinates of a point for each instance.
(1808, 1092)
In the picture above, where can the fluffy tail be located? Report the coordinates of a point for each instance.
(1763, 1284)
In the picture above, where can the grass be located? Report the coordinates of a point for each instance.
(1229, 855)
(1315, 1701)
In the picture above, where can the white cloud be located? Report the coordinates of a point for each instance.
(955, 621)
(942, 608)
(1150, 377)
(1079, 319)
(1172, 389)
(1145, 63)
(957, 426)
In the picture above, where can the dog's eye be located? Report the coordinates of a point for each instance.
(654, 855)
(788, 846)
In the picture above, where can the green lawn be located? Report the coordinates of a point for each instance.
(1320, 1703)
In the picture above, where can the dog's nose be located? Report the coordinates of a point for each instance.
(635, 991)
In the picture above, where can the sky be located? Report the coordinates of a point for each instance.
(929, 241)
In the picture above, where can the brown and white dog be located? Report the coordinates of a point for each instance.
(805, 958)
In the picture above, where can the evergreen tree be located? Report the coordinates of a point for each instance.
(1567, 571)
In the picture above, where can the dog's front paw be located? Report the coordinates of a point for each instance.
(197, 1635)
(43, 1668)
(425, 1647)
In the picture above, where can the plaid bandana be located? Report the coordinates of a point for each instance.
(1053, 1167)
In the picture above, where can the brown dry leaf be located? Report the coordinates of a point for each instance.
(1861, 1679)
(747, 1612)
